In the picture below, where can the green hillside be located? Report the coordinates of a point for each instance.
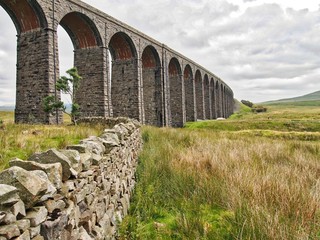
(312, 99)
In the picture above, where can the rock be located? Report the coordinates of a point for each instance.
(19, 209)
(38, 237)
(130, 127)
(121, 131)
(51, 190)
(9, 218)
(78, 147)
(30, 186)
(54, 170)
(23, 224)
(53, 205)
(83, 235)
(24, 236)
(86, 160)
(53, 229)
(2, 216)
(96, 159)
(54, 156)
(74, 157)
(37, 216)
(9, 231)
(110, 140)
(35, 231)
(93, 145)
(8, 195)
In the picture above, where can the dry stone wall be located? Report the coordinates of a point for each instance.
(81, 192)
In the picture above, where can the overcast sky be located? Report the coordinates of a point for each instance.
(263, 49)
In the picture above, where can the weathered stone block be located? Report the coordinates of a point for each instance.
(23, 225)
(53, 205)
(74, 157)
(19, 209)
(8, 195)
(81, 148)
(37, 216)
(54, 170)
(54, 156)
(9, 231)
(94, 145)
(83, 235)
(51, 190)
(38, 237)
(30, 186)
(53, 229)
(24, 236)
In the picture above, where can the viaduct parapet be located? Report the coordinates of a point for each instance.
(125, 72)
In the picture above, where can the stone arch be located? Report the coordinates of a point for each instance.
(218, 99)
(82, 30)
(189, 93)
(175, 83)
(32, 72)
(89, 58)
(213, 99)
(199, 95)
(222, 101)
(206, 91)
(124, 77)
(26, 15)
(152, 87)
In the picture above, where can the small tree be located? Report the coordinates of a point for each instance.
(67, 85)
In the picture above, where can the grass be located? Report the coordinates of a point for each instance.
(233, 182)
(21, 140)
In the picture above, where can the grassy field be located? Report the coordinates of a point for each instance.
(21, 140)
(255, 176)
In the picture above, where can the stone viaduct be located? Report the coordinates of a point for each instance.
(125, 72)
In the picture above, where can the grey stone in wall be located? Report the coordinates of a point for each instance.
(89, 204)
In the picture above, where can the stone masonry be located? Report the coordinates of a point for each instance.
(81, 192)
(118, 64)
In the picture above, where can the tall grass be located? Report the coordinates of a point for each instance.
(220, 184)
(21, 140)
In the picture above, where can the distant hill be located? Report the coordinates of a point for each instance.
(7, 108)
(311, 99)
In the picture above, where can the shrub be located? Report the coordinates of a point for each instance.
(259, 109)
(247, 103)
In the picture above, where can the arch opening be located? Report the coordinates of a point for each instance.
(65, 58)
(89, 58)
(189, 93)
(31, 73)
(124, 77)
(152, 87)
(175, 82)
(8, 60)
(199, 95)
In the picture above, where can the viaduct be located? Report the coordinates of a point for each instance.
(125, 72)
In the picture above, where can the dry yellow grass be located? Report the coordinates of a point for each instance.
(273, 183)
(21, 140)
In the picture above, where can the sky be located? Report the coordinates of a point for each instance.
(263, 49)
